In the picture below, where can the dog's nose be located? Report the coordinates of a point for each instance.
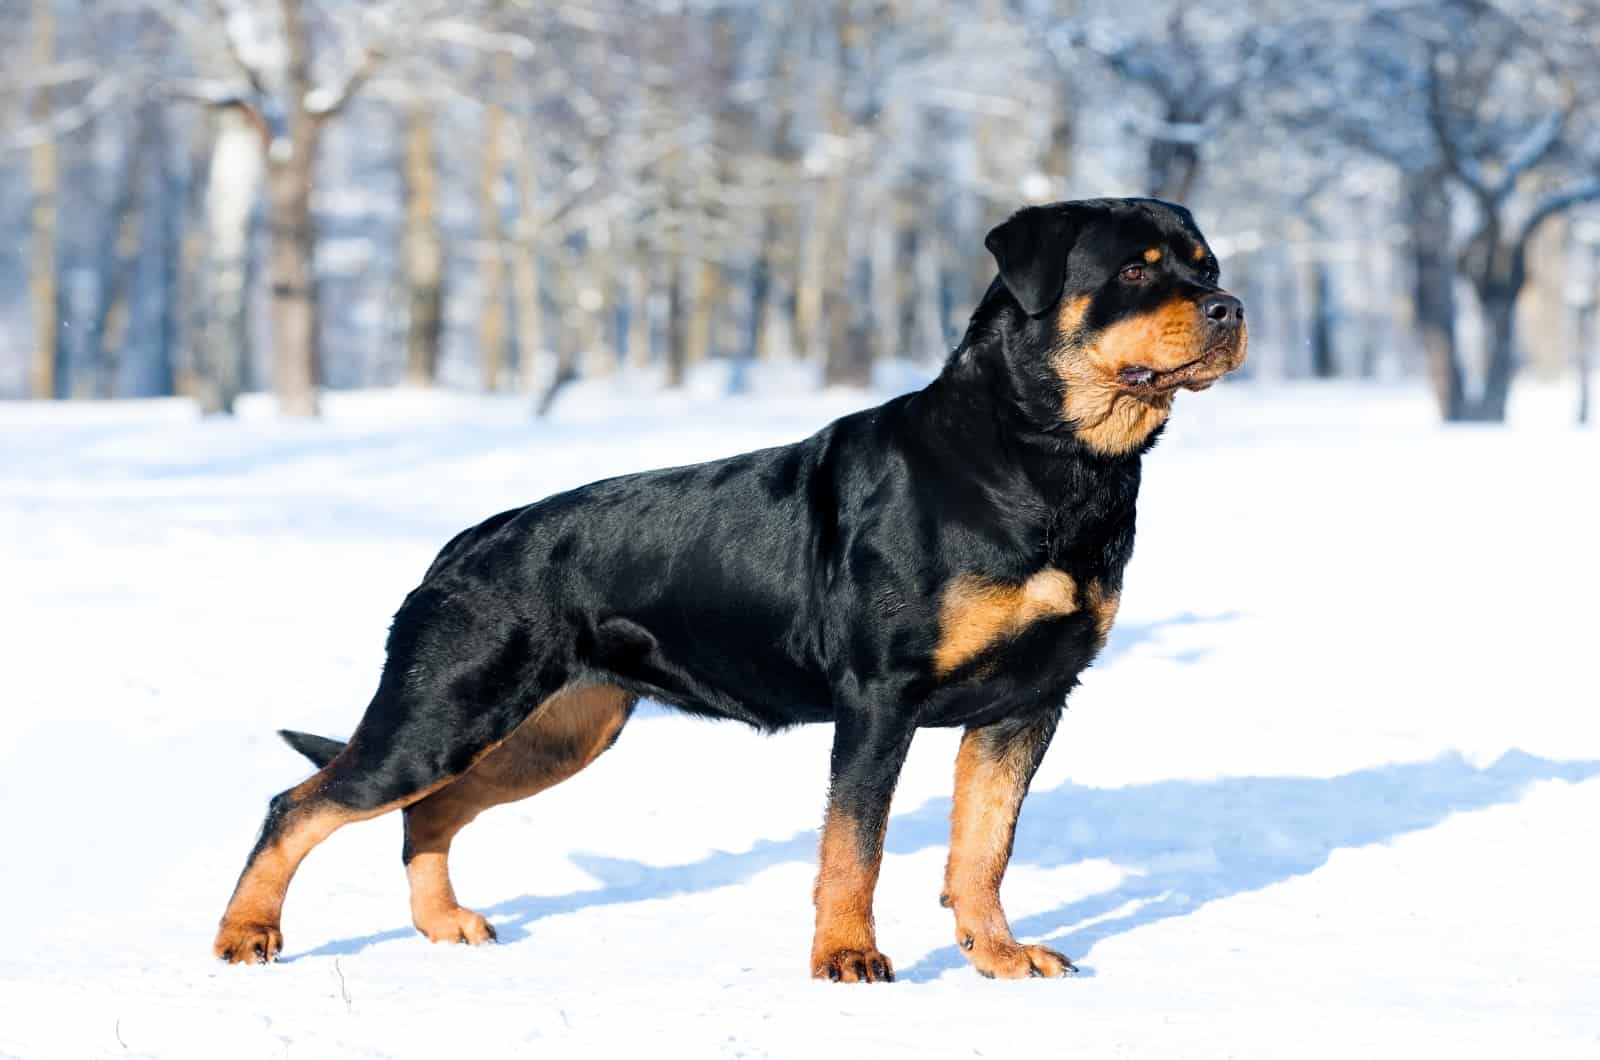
(1224, 309)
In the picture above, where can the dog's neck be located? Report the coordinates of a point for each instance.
(1008, 428)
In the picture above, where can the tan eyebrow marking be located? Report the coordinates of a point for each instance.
(1200, 252)
(1153, 255)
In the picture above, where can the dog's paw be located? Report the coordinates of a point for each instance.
(456, 924)
(1005, 959)
(246, 943)
(853, 966)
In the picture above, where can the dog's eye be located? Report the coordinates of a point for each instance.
(1132, 274)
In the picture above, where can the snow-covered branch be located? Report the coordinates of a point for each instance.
(101, 97)
(1556, 203)
(325, 101)
(1541, 139)
(224, 21)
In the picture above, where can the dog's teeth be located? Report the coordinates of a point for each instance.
(1137, 376)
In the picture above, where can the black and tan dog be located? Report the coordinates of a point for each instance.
(952, 557)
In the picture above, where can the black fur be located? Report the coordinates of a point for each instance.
(803, 583)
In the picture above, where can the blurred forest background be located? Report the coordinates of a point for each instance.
(210, 196)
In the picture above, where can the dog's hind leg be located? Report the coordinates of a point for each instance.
(297, 820)
(568, 731)
(459, 679)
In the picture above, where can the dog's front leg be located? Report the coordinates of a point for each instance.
(868, 751)
(993, 770)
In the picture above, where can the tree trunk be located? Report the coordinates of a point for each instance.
(702, 312)
(593, 308)
(1174, 164)
(849, 356)
(757, 293)
(677, 325)
(223, 284)
(886, 297)
(293, 278)
(639, 291)
(1499, 305)
(424, 251)
(109, 333)
(568, 338)
(775, 336)
(1372, 286)
(931, 335)
(45, 177)
(1433, 288)
(492, 305)
(530, 315)
(83, 266)
(526, 287)
(813, 265)
(847, 360)
(1584, 356)
(170, 232)
(291, 162)
(1059, 152)
(193, 274)
(1323, 363)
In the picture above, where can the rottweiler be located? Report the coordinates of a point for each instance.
(952, 557)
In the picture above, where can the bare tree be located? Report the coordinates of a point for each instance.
(1201, 71)
(641, 188)
(1480, 109)
(269, 60)
(1582, 293)
(1497, 159)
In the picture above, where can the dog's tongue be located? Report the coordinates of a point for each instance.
(1136, 375)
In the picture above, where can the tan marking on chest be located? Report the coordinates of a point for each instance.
(975, 612)
(1102, 604)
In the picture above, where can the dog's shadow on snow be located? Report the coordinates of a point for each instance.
(1181, 843)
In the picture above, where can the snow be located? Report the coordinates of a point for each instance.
(1332, 790)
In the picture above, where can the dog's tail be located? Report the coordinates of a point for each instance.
(319, 749)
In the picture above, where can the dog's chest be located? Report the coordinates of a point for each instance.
(1002, 635)
(981, 616)
(1004, 647)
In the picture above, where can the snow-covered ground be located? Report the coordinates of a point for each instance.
(1334, 788)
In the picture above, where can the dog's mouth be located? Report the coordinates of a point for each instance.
(1197, 374)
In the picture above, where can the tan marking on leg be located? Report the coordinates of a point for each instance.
(1103, 604)
(250, 925)
(562, 736)
(983, 821)
(976, 612)
(845, 944)
(249, 929)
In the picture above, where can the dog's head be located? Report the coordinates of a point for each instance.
(1122, 310)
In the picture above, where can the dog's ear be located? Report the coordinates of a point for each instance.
(1031, 249)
